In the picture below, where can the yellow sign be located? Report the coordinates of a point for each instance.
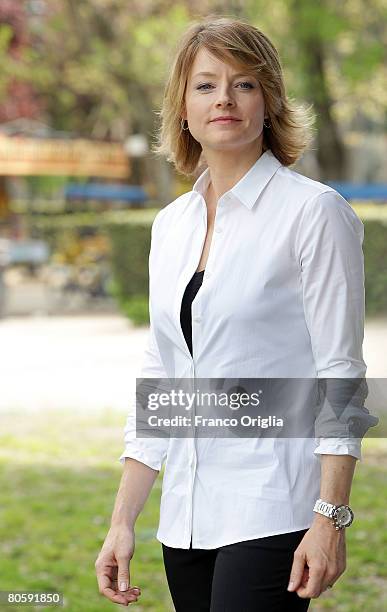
(21, 156)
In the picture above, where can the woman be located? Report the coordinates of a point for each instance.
(269, 263)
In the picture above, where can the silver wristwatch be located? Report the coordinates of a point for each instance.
(342, 515)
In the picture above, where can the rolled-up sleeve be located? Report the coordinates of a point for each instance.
(329, 252)
(151, 451)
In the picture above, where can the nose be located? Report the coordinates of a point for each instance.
(224, 99)
(224, 102)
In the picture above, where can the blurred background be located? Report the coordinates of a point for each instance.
(81, 85)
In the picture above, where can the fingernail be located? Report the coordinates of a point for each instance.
(290, 585)
(137, 591)
(123, 586)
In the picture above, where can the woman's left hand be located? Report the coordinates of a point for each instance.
(319, 559)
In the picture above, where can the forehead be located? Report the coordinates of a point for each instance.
(205, 61)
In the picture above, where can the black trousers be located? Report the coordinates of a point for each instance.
(249, 576)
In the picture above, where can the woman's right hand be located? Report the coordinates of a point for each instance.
(112, 565)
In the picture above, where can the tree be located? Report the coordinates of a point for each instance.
(99, 66)
(17, 96)
(333, 54)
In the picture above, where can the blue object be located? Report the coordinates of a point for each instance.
(105, 191)
(361, 191)
(27, 251)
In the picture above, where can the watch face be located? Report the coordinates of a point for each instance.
(344, 516)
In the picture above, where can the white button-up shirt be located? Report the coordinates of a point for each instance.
(282, 297)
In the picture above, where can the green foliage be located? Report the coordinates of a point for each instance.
(101, 68)
(135, 308)
(130, 245)
(375, 257)
(8, 65)
(129, 239)
(350, 37)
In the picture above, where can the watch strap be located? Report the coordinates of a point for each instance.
(325, 508)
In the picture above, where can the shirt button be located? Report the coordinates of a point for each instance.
(208, 274)
(197, 319)
(218, 229)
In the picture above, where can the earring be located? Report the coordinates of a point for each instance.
(266, 126)
(182, 125)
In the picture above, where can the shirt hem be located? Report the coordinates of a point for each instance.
(165, 541)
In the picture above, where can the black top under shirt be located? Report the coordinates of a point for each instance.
(185, 312)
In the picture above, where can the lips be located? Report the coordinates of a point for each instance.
(225, 119)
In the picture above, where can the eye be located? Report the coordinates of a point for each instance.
(202, 86)
(247, 83)
(250, 86)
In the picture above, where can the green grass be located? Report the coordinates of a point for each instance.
(59, 475)
(58, 480)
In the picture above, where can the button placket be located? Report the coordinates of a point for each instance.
(218, 229)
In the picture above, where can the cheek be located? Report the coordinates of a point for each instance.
(196, 107)
(256, 111)
(199, 114)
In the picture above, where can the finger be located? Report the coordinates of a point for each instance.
(296, 571)
(328, 581)
(131, 589)
(302, 588)
(123, 575)
(315, 582)
(103, 581)
(107, 588)
(305, 577)
(104, 584)
(117, 597)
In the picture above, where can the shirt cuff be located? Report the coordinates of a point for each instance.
(339, 446)
(144, 455)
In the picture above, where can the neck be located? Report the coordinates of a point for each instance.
(228, 167)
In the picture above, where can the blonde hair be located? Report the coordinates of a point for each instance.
(233, 41)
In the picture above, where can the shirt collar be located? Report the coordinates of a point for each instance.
(248, 189)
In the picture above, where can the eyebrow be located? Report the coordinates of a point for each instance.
(212, 74)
